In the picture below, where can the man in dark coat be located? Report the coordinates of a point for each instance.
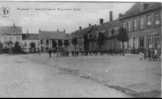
(50, 53)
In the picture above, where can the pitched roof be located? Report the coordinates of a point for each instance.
(80, 33)
(108, 25)
(10, 30)
(139, 8)
(104, 27)
(53, 35)
(30, 36)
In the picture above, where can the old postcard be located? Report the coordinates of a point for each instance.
(80, 49)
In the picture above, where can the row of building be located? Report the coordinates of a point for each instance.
(31, 42)
(142, 22)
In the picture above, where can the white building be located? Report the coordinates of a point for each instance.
(9, 35)
(31, 42)
(52, 39)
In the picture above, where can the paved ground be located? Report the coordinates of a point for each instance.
(128, 74)
(20, 77)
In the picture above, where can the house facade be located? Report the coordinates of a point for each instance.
(9, 35)
(31, 42)
(143, 23)
(53, 39)
(110, 30)
(90, 35)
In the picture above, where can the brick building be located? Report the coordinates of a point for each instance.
(108, 29)
(143, 23)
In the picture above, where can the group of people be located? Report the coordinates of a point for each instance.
(154, 54)
(63, 51)
(151, 53)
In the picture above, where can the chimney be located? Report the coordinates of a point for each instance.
(101, 21)
(90, 25)
(110, 16)
(27, 31)
(80, 27)
(120, 15)
(57, 30)
(64, 31)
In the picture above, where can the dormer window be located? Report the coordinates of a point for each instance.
(145, 6)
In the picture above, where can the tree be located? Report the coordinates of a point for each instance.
(122, 36)
(17, 47)
(32, 46)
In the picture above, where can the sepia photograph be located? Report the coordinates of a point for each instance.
(80, 49)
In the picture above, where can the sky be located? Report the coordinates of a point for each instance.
(52, 16)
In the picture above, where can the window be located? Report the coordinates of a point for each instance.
(116, 30)
(110, 34)
(18, 38)
(124, 25)
(134, 25)
(41, 41)
(129, 26)
(145, 6)
(149, 20)
(10, 38)
(141, 42)
(142, 23)
(47, 42)
(157, 19)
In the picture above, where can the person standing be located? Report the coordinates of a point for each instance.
(155, 54)
(50, 53)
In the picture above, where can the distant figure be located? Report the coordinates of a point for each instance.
(141, 55)
(149, 53)
(155, 54)
(39, 51)
(145, 53)
(50, 53)
(54, 50)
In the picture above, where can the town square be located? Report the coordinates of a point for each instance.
(80, 49)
